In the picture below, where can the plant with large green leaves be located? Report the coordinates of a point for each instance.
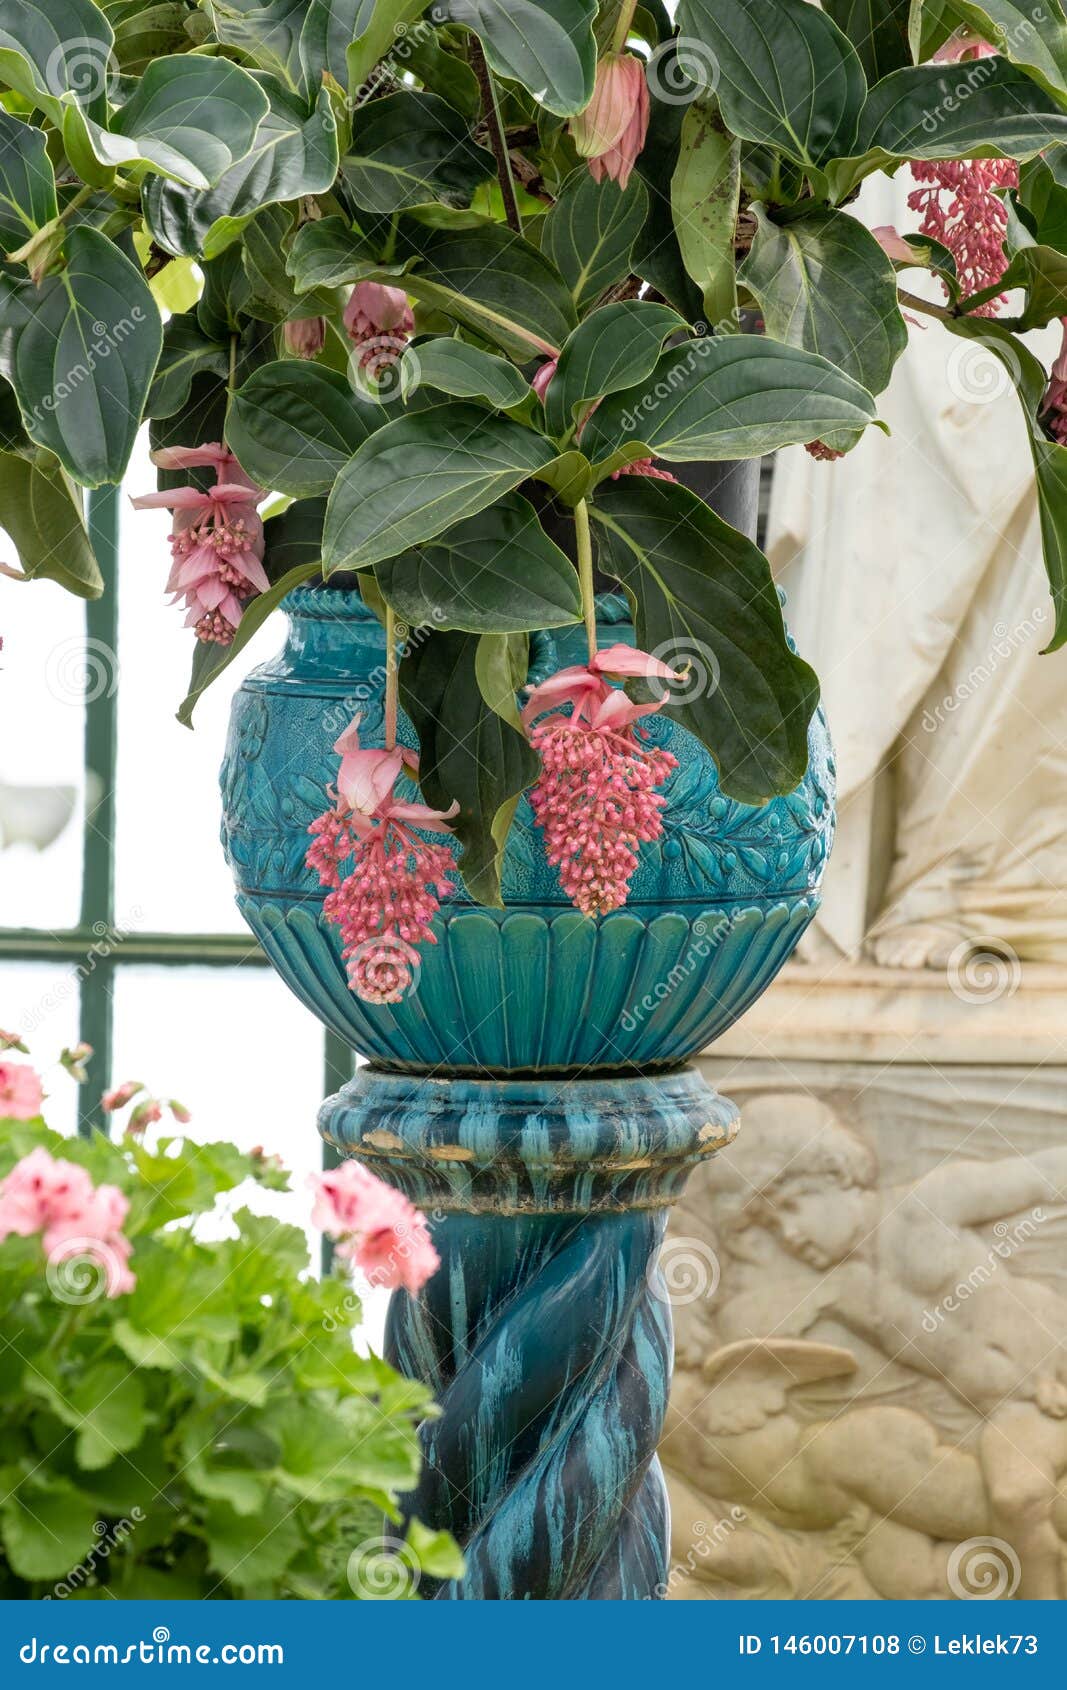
(450, 281)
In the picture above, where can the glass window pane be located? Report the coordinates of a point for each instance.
(46, 673)
(40, 1001)
(239, 1051)
(171, 875)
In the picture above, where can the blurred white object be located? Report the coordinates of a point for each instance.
(34, 815)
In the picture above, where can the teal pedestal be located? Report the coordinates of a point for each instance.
(546, 1333)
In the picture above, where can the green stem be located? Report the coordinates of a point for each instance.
(391, 678)
(622, 28)
(913, 303)
(585, 573)
(497, 135)
(389, 249)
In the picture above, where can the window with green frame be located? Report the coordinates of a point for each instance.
(191, 1009)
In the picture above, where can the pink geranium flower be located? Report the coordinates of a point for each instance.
(386, 902)
(611, 131)
(57, 1198)
(595, 799)
(216, 541)
(20, 1092)
(378, 1229)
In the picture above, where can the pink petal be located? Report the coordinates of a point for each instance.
(625, 660)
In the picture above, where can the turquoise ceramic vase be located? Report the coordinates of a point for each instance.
(532, 1096)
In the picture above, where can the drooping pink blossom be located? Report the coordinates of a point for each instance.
(643, 466)
(120, 1096)
(893, 244)
(610, 132)
(380, 322)
(216, 540)
(1054, 404)
(304, 337)
(57, 1198)
(963, 44)
(386, 901)
(961, 206)
(21, 1095)
(181, 1114)
(542, 376)
(378, 1229)
(595, 799)
(143, 1116)
(13, 1041)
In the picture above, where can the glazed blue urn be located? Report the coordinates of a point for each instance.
(531, 1095)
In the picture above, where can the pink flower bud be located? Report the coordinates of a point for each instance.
(611, 131)
(305, 337)
(120, 1096)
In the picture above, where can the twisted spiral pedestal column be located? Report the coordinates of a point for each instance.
(546, 1333)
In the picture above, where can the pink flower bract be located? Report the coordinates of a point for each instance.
(962, 208)
(611, 130)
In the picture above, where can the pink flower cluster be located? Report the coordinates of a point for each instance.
(20, 1089)
(216, 542)
(595, 798)
(961, 207)
(58, 1200)
(385, 904)
(378, 1229)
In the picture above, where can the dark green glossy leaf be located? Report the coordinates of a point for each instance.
(1032, 33)
(738, 396)
(1050, 459)
(294, 153)
(144, 32)
(615, 347)
(293, 426)
(421, 474)
(382, 25)
(410, 148)
(493, 281)
(657, 256)
(210, 660)
(919, 113)
(878, 29)
(590, 231)
(294, 537)
(330, 27)
(495, 573)
(328, 253)
(187, 353)
(705, 190)
(267, 35)
(166, 122)
(785, 74)
(48, 50)
(27, 183)
(80, 352)
(41, 511)
(547, 45)
(466, 372)
(823, 283)
(426, 55)
(471, 752)
(705, 592)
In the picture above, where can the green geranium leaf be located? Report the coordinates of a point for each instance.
(187, 353)
(109, 1403)
(491, 280)
(547, 45)
(410, 148)
(705, 189)
(293, 426)
(166, 122)
(294, 153)
(251, 1550)
(785, 74)
(421, 474)
(590, 231)
(735, 397)
(451, 366)
(615, 347)
(823, 283)
(27, 182)
(1050, 458)
(472, 750)
(41, 510)
(56, 50)
(495, 573)
(702, 588)
(80, 352)
(47, 1527)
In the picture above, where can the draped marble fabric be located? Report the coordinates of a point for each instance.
(916, 588)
